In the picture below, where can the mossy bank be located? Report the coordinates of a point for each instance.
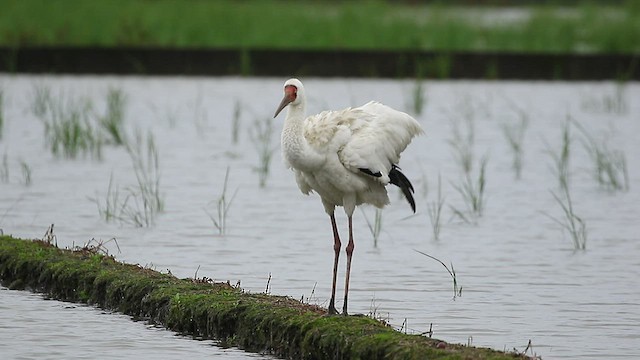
(198, 307)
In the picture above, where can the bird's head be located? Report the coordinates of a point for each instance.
(293, 94)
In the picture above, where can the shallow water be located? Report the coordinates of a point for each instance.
(34, 328)
(520, 276)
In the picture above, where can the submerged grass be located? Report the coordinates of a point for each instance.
(26, 173)
(609, 165)
(113, 121)
(4, 169)
(207, 310)
(614, 102)
(71, 125)
(266, 24)
(570, 222)
(261, 134)
(68, 128)
(223, 204)
(514, 134)
(375, 226)
(140, 204)
(435, 212)
(562, 156)
(473, 193)
(145, 201)
(457, 290)
(1, 113)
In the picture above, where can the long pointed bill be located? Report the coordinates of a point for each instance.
(285, 101)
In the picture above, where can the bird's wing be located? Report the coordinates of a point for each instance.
(378, 134)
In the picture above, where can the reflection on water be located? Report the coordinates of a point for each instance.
(521, 278)
(34, 328)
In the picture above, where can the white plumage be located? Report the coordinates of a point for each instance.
(347, 157)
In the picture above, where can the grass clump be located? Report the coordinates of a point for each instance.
(140, 204)
(472, 193)
(570, 221)
(514, 134)
(457, 290)
(26, 173)
(1, 113)
(223, 204)
(146, 196)
(4, 169)
(71, 125)
(261, 134)
(609, 165)
(375, 226)
(113, 121)
(614, 102)
(68, 129)
(435, 212)
(562, 156)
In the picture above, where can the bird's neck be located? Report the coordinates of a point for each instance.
(295, 148)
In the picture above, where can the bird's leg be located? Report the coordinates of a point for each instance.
(349, 249)
(336, 249)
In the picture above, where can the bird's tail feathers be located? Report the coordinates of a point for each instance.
(398, 179)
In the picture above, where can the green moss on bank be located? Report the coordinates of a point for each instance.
(255, 322)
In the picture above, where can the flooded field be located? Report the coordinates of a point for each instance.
(198, 187)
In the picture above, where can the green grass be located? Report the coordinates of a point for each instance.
(514, 134)
(68, 127)
(137, 205)
(570, 222)
(112, 122)
(318, 25)
(609, 165)
(561, 158)
(223, 204)
(375, 226)
(261, 134)
(435, 212)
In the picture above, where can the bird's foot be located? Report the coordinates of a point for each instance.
(332, 310)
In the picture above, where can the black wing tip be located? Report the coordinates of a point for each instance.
(397, 178)
(371, 173)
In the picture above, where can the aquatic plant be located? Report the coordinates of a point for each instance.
(68, 129)
(472, 193)
(418, 95)
(4, 169)
(261, 134)
(223, 204)
(235, 121)
(463, 134)
(110, 210)
(113, 120)
(26, 173)
(561, 158)
(375, 227)
(1, 113)
(435, 212)
(457, 290)
(40, 100)
(570, 222)
(609, 166)
(613, 102)
(514, 134)
(136, 205)
(146, 196)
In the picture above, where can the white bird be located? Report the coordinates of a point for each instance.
(347, 157)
